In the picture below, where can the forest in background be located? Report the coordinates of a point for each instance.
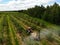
(50, 13)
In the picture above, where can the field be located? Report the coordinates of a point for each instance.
(14, 26)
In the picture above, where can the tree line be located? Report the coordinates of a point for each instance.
(49, 13)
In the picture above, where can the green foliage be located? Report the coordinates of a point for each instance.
(50, 37)
(50, 13)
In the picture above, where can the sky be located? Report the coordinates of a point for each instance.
(9, 5)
